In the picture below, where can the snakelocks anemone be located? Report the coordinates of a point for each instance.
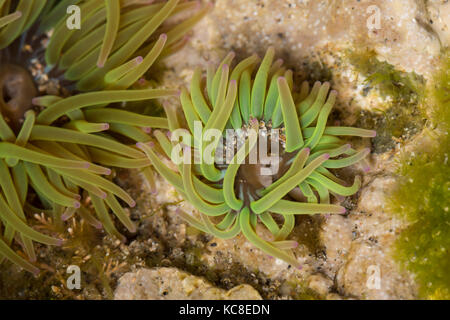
(56, 153)
(236, 195)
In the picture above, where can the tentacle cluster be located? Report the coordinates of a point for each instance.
(16, 17)
(64, 164)
(119, 40)
(226, 195)
(58, 157)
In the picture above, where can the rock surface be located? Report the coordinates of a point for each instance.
(173, 284)
(400, 32)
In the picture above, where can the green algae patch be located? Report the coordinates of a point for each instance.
(422, 196)
(299, 290)
(440, 95)
(401, 92)
(390, 82)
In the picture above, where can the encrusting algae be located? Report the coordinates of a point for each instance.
(401, 92)
(422, 196)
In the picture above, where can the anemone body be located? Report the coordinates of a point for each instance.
(234, 198)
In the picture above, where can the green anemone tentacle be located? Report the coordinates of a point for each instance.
(251, 235)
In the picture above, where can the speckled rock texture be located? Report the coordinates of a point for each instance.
(439, 19)
(173, 284)
(399, 31)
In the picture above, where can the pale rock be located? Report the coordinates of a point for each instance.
(173, 284)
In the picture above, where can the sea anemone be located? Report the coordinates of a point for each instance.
(235, 197)
(56, 152)
(49, 168)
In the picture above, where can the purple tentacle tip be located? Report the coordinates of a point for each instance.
(141, 145)
(98, 226)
